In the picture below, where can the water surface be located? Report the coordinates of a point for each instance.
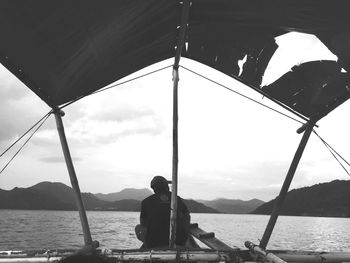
(25, 229)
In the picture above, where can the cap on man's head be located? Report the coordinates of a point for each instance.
(159, 182)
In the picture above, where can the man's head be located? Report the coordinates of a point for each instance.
(159, 184)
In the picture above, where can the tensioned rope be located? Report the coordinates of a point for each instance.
(152, 72)
(332, 151)
(240, 94)
(115, 85)
(43, 120)
(31, 128)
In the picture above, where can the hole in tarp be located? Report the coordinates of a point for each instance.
(216, 58)
(295, 49)
(186, 46)
(241, 64)
(343, 70)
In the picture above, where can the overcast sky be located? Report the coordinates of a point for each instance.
(228, 146)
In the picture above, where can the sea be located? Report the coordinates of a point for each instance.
(31, 230)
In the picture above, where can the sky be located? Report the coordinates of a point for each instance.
(229, 147)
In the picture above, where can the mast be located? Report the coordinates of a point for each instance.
(179, 47)
(307, 128)
(73, 178)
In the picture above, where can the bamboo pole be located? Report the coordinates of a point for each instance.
(171, 255)
(260, 254)
(73, 178)
(173, 211)
(148, 256)
(289, 177)
(175, 161)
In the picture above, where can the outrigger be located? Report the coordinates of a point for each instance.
(66, 50)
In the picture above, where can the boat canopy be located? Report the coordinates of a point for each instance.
(63, 50)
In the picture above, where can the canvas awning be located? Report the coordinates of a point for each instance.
(63, 50)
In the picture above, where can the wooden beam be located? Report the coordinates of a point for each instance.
(209, 239)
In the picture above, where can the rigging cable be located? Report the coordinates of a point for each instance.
(115, 85)
(240, 94)
(43, 120)
(334, 153)
(31, 128)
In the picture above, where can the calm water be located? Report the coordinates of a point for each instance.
(21, 229)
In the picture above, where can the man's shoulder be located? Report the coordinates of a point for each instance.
(149, 198)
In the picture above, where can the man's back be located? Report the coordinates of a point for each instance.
(155, 215)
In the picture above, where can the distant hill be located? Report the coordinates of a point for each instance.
(325, 199)
(196, 207)
(22, 198)
(233, 206)
(135, 205)
(58, 196)
(46, 196)
(127, 193)
(65, 194)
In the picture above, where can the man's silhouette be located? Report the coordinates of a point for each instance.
(155, 217)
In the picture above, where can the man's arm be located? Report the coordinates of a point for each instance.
(143, 214)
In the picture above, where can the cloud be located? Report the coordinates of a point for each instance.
(122, 112)
(8, 132)
(262, 180)
(110, 125)
(125, 133)
(57, 159)
(20, 108)
(44, 142)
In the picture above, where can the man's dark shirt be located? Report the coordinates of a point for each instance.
(155, 215)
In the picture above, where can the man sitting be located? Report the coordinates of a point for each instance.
(154, 226)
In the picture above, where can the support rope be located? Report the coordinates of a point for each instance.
(45, 117)
(115, 85)
(334, 153)
(14, 143)
(332, 150)
(240, 94)
(13, 157)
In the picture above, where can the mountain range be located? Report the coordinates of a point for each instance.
(127, 193)
(325, 199)
(233, 206)
(58, 196)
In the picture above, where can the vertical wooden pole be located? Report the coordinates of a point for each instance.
(73, 177)
(289, 177)
(173, 213)
(180, 44)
